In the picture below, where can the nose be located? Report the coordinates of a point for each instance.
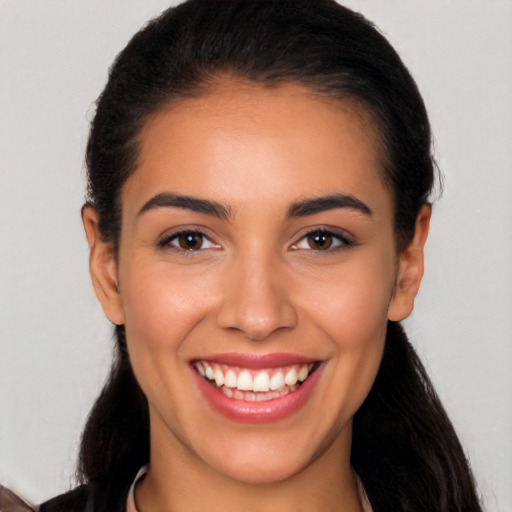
(256, 300)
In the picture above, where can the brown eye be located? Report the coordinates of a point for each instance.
(190, 241)
(320, 241)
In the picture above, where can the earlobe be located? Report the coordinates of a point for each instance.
(410, 269)
(102, 267)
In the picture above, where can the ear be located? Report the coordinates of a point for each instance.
(410, 269)
(103, 267)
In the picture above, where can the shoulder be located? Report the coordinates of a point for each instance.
(72, 501)
(88, 498)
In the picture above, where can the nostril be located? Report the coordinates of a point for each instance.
(255, 301)
(257, 322)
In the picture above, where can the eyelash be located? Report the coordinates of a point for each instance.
(336, 241)
(166, 242)
(340, 241)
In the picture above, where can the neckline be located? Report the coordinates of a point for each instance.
(131, 505)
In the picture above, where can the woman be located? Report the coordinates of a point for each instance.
(259, 175)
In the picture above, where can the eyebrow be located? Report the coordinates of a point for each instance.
(300, 209)
(188, 203)
(331, 202)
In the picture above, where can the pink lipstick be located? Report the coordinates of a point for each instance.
(254, 388)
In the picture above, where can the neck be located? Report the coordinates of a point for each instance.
(178, 481)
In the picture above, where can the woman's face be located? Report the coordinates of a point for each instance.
(256, 248)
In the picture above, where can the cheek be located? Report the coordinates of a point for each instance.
(161, 307)
(356, 322)
(351, 310)
(351, 305)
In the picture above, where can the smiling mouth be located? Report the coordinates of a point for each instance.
(255, 385)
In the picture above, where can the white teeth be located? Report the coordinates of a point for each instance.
(230, 379)
(277, 380)
(218, 376)
(303, 373)
(291, 377)
(250, 396)
(263, 397)
(262, 385)
(200, 369)
(244, 381)
(261, 382)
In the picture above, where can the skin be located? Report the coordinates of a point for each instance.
(256, 286)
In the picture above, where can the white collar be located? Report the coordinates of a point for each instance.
(130, 502)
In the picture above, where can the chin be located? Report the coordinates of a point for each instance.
(280, 455)
(263, 471)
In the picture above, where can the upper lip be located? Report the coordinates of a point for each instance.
(257, 361)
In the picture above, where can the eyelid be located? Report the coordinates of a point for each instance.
(164, 241)
(344, 239)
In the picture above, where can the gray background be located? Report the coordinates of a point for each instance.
(55, 343)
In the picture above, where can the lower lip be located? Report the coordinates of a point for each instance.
(257, 412)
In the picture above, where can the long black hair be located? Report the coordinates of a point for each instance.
(404, 448)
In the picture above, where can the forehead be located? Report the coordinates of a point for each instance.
(279, 141)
